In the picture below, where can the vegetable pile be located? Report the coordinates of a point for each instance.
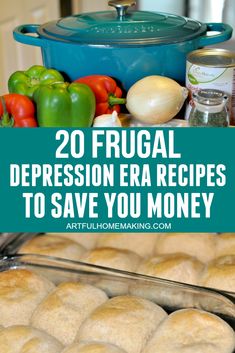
(41, 97)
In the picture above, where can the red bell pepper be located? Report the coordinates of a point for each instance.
(16, 110)
(107, 93)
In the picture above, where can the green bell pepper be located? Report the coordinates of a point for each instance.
(65, 105)
(27, 82)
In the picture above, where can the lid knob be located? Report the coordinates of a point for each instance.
(121, 6)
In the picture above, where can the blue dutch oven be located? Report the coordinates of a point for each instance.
(127, 45)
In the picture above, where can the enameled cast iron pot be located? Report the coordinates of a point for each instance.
(126, 45)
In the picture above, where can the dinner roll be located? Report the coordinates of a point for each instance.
(93, 347)
(25, 339)
(125, 321)
(88, 240)
(225, 244)
(20, 292)
(61, 313)
(114, 258)
(192, 331)
(199, 245)
(220, 274)
(141, 243)
(175, 267)
(53, 246)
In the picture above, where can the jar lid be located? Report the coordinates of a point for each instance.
(210, 97)
(123, 27)
(211, 101)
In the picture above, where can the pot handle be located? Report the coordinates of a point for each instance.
(225, 34)
(20, 35)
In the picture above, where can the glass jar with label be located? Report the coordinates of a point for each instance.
(209, 109)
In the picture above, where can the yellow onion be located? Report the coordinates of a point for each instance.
(155, 99)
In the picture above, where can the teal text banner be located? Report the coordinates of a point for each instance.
(117, 180)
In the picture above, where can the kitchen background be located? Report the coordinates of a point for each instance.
(15, 56)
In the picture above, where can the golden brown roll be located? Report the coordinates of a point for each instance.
(225, 244)
(53, 246)
(175, 267)
(25, 339)
(141, 243)
(114, 258)
(220, 274)
(88, 240)
(192, 331)
(199, 245)
(20, 293)
(62, 312)
(125, 321)
(93, 347)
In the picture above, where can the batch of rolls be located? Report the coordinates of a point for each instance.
(37, 316)
(38, 313)
(203, 259)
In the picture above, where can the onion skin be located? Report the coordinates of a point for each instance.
(155, 99)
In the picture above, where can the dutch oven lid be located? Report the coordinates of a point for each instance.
(123, 27)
